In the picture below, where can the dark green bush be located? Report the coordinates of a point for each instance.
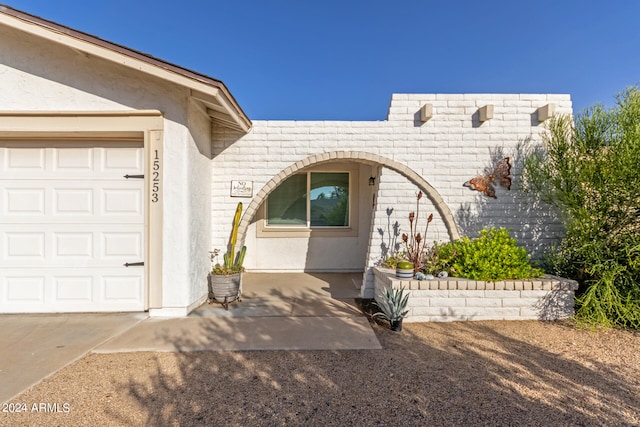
(493, 256)
(589, 170)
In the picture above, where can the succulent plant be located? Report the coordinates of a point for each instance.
(393, 304)
(232, 262)
(405, 265)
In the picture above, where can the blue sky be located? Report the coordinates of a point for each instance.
(342, 59)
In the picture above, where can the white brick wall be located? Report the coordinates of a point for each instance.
(447, 150)
(549, 298)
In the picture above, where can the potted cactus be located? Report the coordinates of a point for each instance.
(392, 304)
(225, 280)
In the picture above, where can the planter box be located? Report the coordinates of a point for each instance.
(454, 299)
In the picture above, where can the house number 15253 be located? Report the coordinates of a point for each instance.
(155, 177)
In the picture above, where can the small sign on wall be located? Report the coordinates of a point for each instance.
(241, 188)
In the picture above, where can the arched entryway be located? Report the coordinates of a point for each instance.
(282, 257)
(358, 157)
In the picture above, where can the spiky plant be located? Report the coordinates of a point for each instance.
(393, 304)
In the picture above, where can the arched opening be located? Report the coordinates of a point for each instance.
(319, 252)
(358, 157)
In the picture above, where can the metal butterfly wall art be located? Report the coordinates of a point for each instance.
(486, 183)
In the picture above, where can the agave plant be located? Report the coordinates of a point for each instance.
(393, 304)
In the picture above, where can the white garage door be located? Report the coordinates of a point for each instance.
(69, 221)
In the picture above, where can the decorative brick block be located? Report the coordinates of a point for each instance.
(505, 294)
(466, 294)
(462, 284)
(484, 302)
(446, 301)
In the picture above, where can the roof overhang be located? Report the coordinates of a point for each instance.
(210, 93)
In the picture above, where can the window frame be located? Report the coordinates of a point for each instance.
(265, 230)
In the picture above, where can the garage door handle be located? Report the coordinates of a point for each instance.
(133, 264)
(134, 176)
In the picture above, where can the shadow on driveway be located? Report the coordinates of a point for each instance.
(34, 346)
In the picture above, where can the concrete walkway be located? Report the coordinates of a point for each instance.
(278, 312)
(34, 346)
(287, 311)
(249, 333)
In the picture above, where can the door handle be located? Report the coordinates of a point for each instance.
(133, 264)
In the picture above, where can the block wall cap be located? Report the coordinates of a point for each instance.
(547, 282)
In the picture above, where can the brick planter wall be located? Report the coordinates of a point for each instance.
(454, 299)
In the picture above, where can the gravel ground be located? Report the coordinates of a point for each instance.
(463, 373)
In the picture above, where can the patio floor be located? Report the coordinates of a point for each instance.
(291, 295)
(283, 311)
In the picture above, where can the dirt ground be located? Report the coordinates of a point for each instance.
(445, 374)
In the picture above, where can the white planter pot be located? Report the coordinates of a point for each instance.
(402, 273)
(225, 289)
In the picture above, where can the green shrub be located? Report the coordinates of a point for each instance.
(392, 261)
(588, 170)
(493, 256)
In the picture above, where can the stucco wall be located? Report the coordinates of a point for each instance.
(337, 254)
(39, 75)
(447, 150)
(198, 190)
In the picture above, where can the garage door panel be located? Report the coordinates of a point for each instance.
(60, 246)
(75, 245)
(23, 201)
(122, 160)
(121, 201)
(108, 160)
(69, 221)
(25, 289)
(122, 287)
(73, 201)
(78, 289)
(55, 290)
(73, 159)
(25, 245)
(110, 202)
(24, 160)
(122, 246)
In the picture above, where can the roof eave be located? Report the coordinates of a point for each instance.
(130, 58)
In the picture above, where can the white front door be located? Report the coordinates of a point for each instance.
(69, 221)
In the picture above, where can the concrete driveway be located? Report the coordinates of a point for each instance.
(34, 346)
